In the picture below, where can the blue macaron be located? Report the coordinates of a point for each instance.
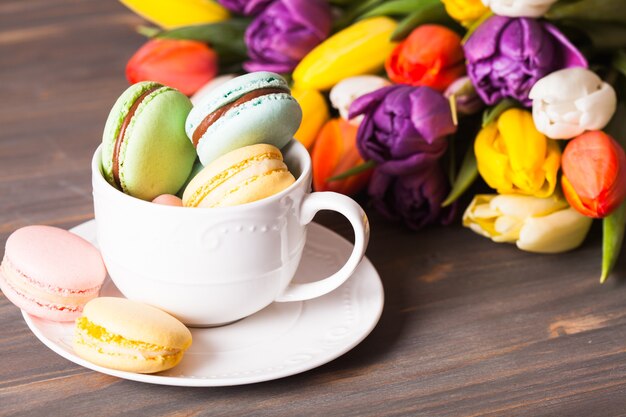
(250, 109)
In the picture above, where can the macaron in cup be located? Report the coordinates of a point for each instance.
(241, 176)
(250, 109)
(145, 151)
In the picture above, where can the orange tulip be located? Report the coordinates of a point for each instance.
(431, 55)
(335, 152)
(184, 65)
(594, 174)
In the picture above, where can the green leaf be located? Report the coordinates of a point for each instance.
(466, 177)
(612, 238)
(431, 13)
(397, 7)
(147, 31)
(225, 37)
(588, 10)
(343, 3)
(353, 171)
(491, 114)
(605, 36)
(619, 61)
(353, 12)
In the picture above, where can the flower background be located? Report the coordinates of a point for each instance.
(412, 78)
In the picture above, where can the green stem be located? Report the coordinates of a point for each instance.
(397, 8)
(475, 25)
(466, 177)
(430, 13)
(148, 31)
(353, 171)
(492, 113)
(612, 238)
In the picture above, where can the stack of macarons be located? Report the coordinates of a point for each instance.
(56, 275)
(157, 147)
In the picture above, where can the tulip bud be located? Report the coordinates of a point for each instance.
(465, 95)
(594, 174)
(514, 158)
(431, 55)
(170, 14)
(314, 115)
(542, 225)
(465, 11)
(334, 153)
(519, 8)
(570, 101)
(506, 56)
(359, 49)
(347, 90)
(184, 65)
(284, 33)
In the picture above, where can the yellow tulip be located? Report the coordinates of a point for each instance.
(515, 158)
(542, 225)
(169, 14)
(359, 49)
(465, 11)
(314, 115)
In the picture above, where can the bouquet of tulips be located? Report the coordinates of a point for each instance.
(413, 100)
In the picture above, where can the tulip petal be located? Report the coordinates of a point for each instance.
(176, 13)
(335, 152)
(314, 115)
(492, 164)
(557, 232)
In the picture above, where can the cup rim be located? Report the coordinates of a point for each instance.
(102, 183)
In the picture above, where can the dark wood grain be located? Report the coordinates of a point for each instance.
(469, 327)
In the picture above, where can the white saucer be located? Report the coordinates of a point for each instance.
(281, 340)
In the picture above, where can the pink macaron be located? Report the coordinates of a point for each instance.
(50, 273)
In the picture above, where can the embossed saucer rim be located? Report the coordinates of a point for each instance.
(365, 277)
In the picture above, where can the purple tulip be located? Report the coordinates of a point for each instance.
(506, 56)
(284, 33)
(404, 128)
(246, 7)
(415, 199)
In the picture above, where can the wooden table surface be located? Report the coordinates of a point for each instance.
(469, 327)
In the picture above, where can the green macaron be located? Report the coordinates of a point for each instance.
(247, 110)
(145, 151)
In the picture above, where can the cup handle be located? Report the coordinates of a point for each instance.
(326, 200)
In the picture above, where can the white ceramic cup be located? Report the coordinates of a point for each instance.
(211, 266)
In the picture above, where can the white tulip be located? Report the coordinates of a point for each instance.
(542, 225)
(210, 86)
(519, 8)
(349, 89)
(570, 101)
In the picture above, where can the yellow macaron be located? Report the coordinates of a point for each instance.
(129, 336)
(241, 176)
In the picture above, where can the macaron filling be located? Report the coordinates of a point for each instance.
(93, 335)
(212, 117)
(45, 295)
(120, 137)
